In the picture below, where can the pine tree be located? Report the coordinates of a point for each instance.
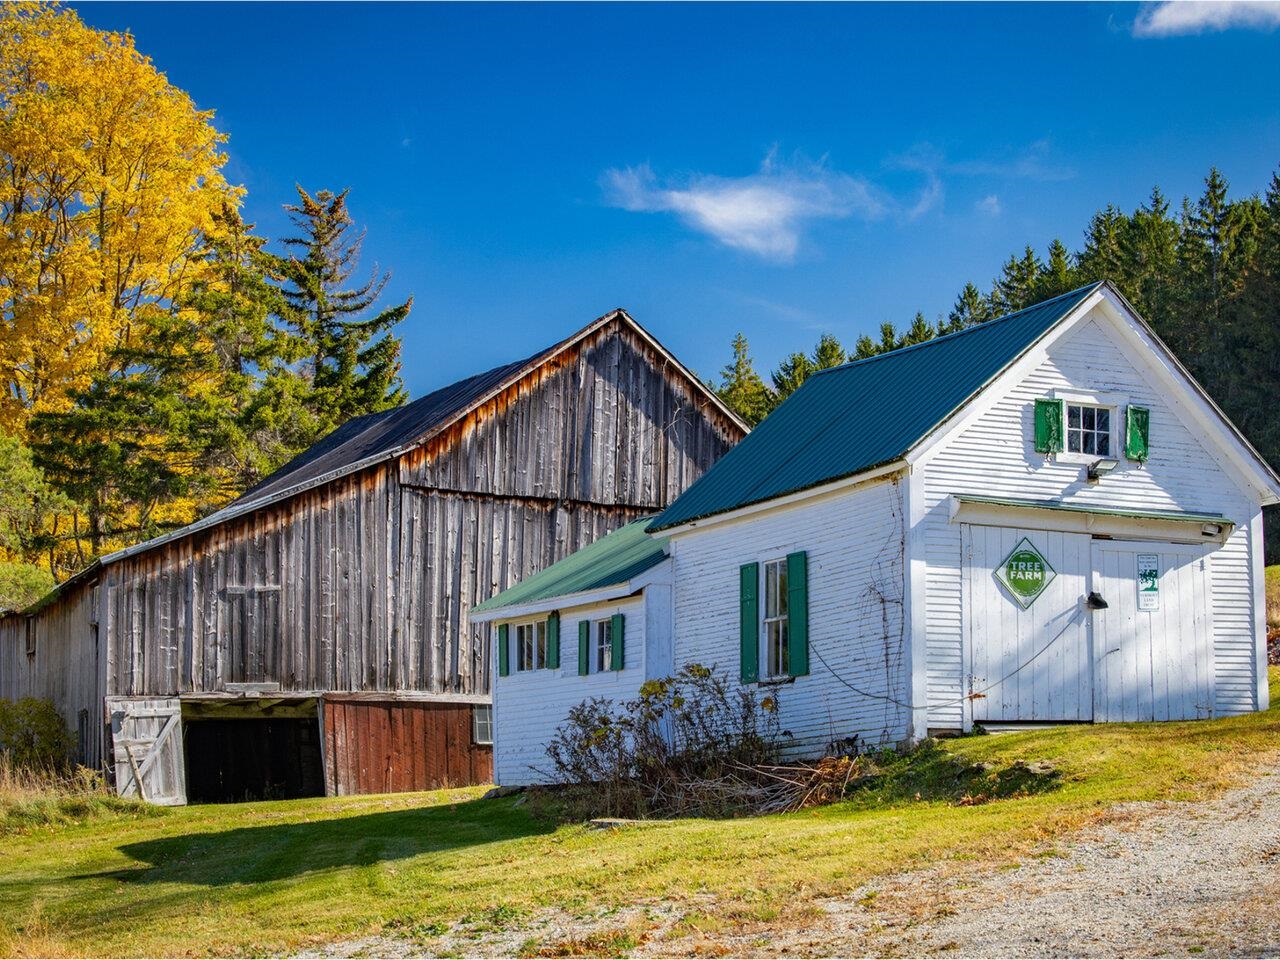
(354, 363)
(864, 347)
(1150, 249)
(1015, 287)
(888, 338)
(1059, 275)
(919, 331)
(971, 308)
(791, 373)
(828, 353)
(741, 387)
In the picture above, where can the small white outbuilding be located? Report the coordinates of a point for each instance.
(1040, 519)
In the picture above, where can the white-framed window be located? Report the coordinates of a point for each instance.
(1089, 429)
(482, 724)
(604, 645)
(531, 645)
(775, 650)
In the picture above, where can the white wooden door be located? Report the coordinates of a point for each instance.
(1027, 661)
(1154, 642)
(146, 737)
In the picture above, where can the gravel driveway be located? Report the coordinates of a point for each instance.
(1162, 880)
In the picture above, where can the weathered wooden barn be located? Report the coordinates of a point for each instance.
(313, 636)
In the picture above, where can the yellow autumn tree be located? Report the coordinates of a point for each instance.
(110, 185)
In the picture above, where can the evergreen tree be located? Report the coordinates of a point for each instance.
(1103, 256)
(888, 338)
(1059, 275)
(354, 360)
(1151, 256)
(919, 331)
(829, 353)
(971, 308)
(791, 373)
(1015, 287)
(741, 388)
(864, 347)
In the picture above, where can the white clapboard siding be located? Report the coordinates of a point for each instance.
(858, 663)
(529, 706)
(994, 456)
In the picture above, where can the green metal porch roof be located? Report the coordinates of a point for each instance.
(1175, 515)
(864, 414)
(611, 561)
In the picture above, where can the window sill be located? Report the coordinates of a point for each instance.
(776, 681)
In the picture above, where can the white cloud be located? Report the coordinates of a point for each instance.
(1174, 17)
(764, 213)
(989, 206)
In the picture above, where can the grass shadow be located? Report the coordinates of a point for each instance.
(268, 852)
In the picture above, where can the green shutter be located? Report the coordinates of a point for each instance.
(584, 648)
(617, 641)
(1048, 426)
(798, 613)
(1137, 433)
(504, 664)
(553, 641)
(749, 621)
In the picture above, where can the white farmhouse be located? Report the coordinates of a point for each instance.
(1039, 519)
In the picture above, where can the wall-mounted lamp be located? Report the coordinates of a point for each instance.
(1212, 529)
(1100, 468)
(1095, 602)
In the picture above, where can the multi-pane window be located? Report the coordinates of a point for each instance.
(777, 660)
(531, 645)
(604, 645)
(1088, 429)
(482, 724)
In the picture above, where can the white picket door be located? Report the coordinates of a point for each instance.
(1154, 642)
(146, 737)
(1027, 663)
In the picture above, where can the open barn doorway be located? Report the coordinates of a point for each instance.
(251, 749)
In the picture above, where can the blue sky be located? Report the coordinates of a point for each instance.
(779, 170)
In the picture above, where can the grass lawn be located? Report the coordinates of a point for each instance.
(1273, 596)
(270, 877)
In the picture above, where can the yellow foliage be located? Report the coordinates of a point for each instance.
(111, 182)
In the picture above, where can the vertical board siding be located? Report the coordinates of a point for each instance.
(66, 668)
(994, 456)
(858, 684)
(390, 746)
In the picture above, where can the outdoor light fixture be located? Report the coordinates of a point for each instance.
(1211, 529)
(1100, 468)
(1095, 602)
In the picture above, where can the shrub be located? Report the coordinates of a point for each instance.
(33, 736)
(648, 756)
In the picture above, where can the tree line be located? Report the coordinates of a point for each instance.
(1206, 276)
(158, 356)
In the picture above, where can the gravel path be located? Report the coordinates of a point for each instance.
(1157, 880)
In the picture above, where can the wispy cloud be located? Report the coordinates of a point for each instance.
(989, 206)
(764, 213)
(1175, 17)
(1033, 162)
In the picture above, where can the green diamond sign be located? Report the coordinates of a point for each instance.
(1025, 573)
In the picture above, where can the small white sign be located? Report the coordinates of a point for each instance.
(1148, 581)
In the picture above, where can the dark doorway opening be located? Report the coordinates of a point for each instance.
(230, 760)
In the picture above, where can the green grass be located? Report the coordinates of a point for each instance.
(271, 877)
(1273, 597)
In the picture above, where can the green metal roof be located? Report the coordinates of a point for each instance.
(855, 417)
(1098, 511)
(610, 561)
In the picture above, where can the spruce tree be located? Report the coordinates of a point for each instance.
(1015, 287)
(791, 373)
(1059, 275)
(828, 353)
(919, 331)
(741, 388)
(354, 357)
(971, 308)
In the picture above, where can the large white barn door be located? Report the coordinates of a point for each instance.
(1028, 648)
(1154, 642)
(146, 738)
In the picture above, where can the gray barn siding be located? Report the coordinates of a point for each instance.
(65, 669)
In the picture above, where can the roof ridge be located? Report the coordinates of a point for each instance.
(959, 333)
